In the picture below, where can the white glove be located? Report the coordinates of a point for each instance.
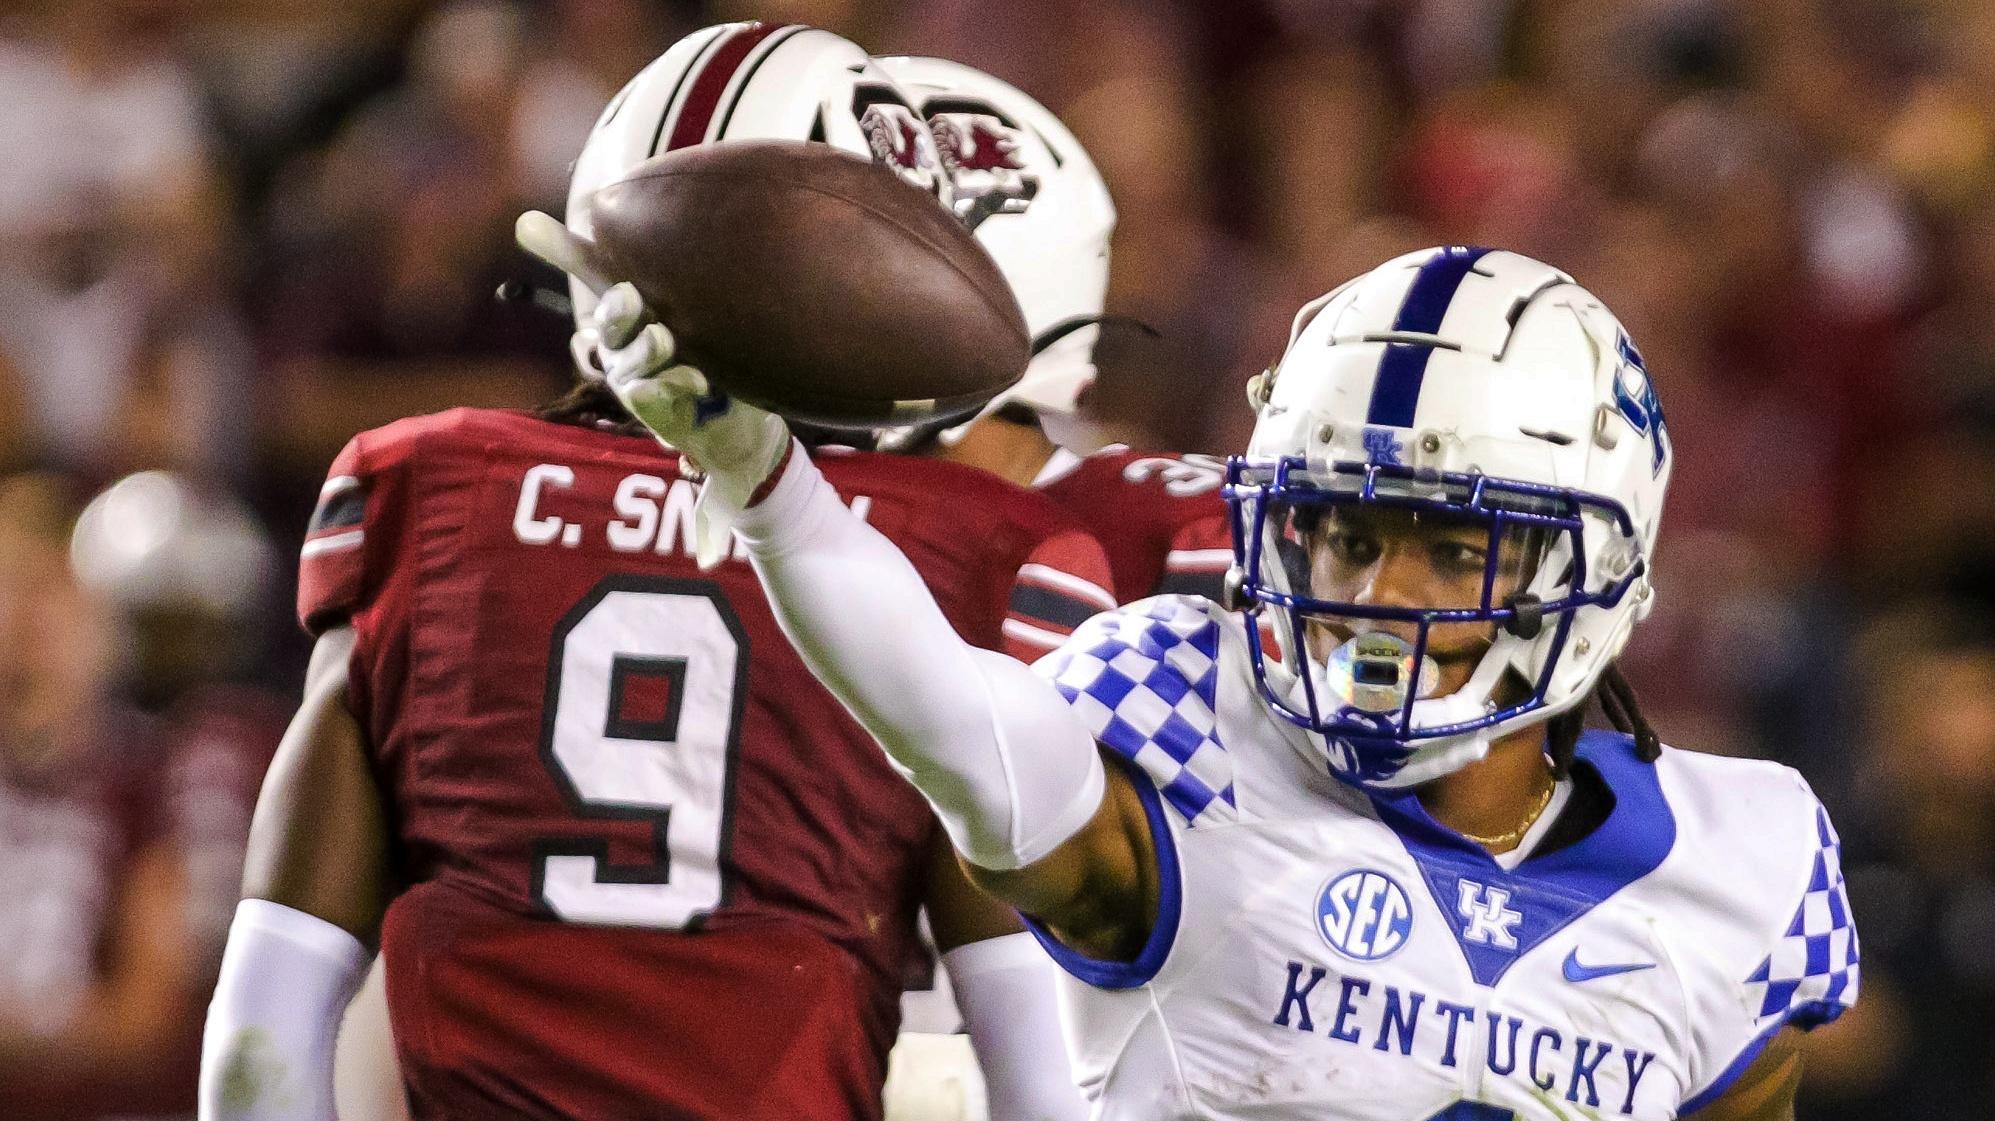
(736, 446)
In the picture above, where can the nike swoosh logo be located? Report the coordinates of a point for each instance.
(1575, 972)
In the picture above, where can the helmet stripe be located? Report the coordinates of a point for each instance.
(665, 115)
(1396, 390)
(767, 52)
(704, 96)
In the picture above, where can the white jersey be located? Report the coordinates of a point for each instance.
(1324, 953)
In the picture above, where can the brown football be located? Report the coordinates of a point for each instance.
(813, 283)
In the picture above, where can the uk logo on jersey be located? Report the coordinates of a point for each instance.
(1364, 915)
(1487, 910)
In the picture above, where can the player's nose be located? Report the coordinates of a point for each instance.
(1398, 578)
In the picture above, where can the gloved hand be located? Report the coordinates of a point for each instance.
(736, 445)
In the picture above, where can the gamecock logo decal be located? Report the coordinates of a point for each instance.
(980, 150)
(900, 141)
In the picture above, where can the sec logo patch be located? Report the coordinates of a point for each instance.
(1364, 915)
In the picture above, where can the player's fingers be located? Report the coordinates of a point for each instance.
(585, 346)
(644, 357)
(620, 315)
(684, 380)
(544, 236)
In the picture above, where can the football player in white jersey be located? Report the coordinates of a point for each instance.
(1375, 871)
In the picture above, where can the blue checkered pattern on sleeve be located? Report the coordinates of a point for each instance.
(1145, 679)
(1812, 974)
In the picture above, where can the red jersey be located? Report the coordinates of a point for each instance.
(67, 831)
(219, 742)
(74, 831)
(1160, 516)
(651, 868)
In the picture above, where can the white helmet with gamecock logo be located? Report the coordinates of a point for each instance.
(752, 81)
(1027, 188)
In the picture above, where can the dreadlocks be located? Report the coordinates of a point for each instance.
(591, 404)
(1616, 699)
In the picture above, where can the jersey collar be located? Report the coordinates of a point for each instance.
(1057, 466)
(1497, 915)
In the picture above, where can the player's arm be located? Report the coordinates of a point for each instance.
(1765, 1092)
(1004, 984)
(313, 889)
(318, 842)
(1011, 771)
(1793, 918)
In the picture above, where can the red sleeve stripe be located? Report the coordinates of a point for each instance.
(1020, 631)
(1198, 559)
(336, 543)
(1054, 579)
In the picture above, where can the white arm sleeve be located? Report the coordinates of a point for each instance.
(1009, 767)
(1007, 990)
(267, 1054)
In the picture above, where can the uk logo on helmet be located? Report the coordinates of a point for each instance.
(1364, 915)
(1637, 402)
(1384, 448)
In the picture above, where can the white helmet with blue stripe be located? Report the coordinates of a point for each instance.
(1482, 410)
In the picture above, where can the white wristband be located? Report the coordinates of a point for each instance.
(267, 1054)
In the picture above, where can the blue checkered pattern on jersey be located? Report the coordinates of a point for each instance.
(1812, 974)
(1145, 679)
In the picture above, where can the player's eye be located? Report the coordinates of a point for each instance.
(1351, 547)
(1454, 558)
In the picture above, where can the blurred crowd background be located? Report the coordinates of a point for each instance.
(234, 232)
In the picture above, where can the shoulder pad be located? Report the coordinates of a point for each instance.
(1145, 680)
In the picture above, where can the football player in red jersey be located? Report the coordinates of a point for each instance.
(190, 572)
(624, 858)
(1028, 189)
(104, 964)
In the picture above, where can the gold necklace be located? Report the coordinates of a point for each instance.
(1506, 841)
